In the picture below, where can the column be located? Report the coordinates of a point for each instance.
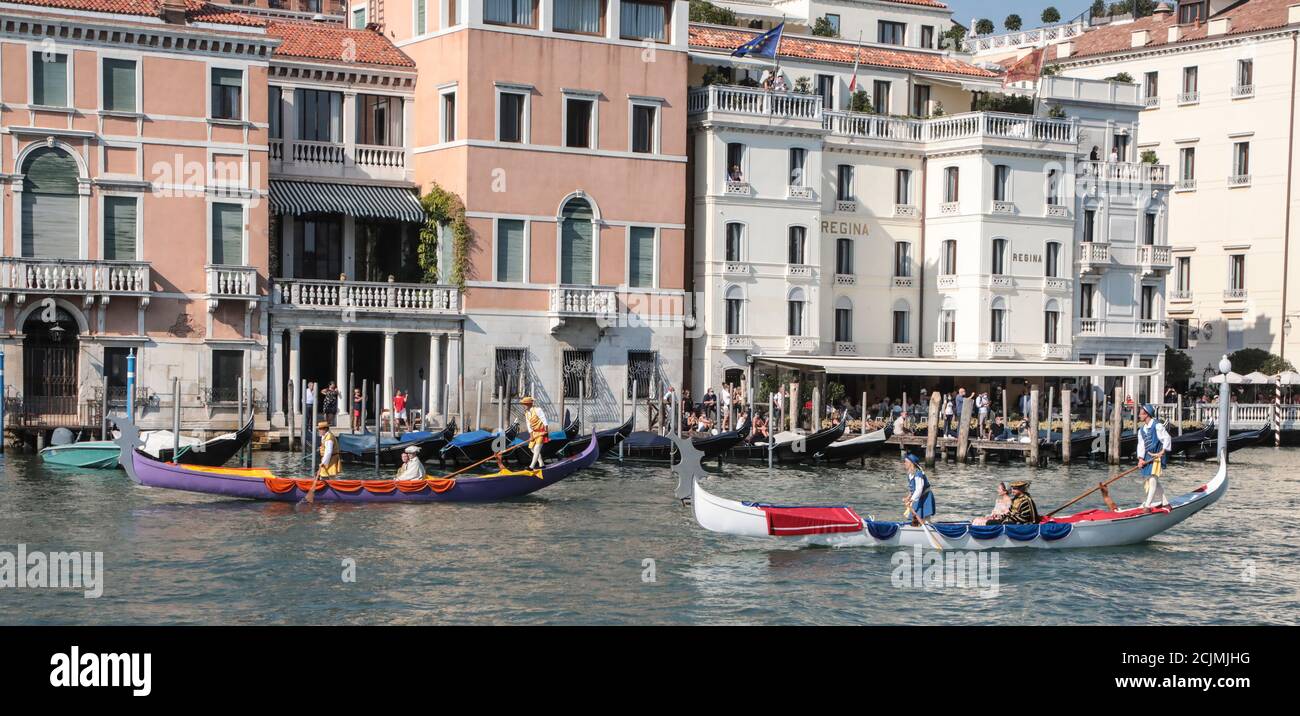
(295, 377)
(435, 375)
(390, 339)
(343, 419)
(273, 387)
(454, 371)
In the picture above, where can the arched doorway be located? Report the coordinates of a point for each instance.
(50, 349)
(51, 205)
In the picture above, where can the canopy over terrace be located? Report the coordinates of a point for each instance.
(916, 367)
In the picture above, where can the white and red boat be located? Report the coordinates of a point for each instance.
(842, 526)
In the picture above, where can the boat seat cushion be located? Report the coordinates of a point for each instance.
(793, 521)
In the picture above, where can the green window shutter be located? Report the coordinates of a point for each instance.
(120, 228)
(228, 234)
(576, 244)
(51, 206)
(227, 93)
(641, 257)
(119, 85)
(49, 79)
(510, 250)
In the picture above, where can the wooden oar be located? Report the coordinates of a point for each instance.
(311, 493)
(1093, 489)
(907, 515)
(489, 457)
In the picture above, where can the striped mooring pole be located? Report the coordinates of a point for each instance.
(1277, 414)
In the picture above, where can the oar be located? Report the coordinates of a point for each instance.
(1093, 489)
(311, 493)
(489, 457)
(907, 514)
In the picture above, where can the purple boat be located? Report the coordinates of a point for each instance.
(259, 484)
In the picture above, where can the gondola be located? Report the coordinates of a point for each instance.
(791, 447)
(1180, 443)
(854, 447)
(644, 445)
(841, 526)
(608, 439)
(105, 454)
(477, 445)
(360, 448)
(1080, 444)
(257, 484)
(558, 439)
(1207, 448)
(212, 453)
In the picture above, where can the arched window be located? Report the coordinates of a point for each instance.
(1052, 322)
(576, 243)
(797, 244)
(948, 264)
(843, 319)
(948, 320)
(1000, 262)
(51, 205)
(735, 300)
(1052, 262)
(735, 241)
(901, 314)
(998, 320)
(795, 304)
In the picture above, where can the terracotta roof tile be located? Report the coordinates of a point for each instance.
(809, 48)
(928, 3)
(197, 10)
(1247, 16)
(334, 42)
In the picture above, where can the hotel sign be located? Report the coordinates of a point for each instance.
(839, 227)
(1027, 258)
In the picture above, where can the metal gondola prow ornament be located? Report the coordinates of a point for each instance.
(688, 467)
(128, 439)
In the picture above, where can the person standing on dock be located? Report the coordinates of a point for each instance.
(1152, 453)
(538, 432)
(331, 463)
(919, 500)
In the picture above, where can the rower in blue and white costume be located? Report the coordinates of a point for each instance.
(1153, 454)
(919, 500)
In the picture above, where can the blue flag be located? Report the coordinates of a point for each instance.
(765, 45)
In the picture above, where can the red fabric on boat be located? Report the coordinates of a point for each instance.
(281, 485)
(791, 521)
(1093, 515)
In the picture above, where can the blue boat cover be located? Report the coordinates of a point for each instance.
(882, 530)
(1052, 531)
(469, 438)
(986, 531)
(951, 530)
(1021, 533)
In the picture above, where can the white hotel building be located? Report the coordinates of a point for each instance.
(946, 235)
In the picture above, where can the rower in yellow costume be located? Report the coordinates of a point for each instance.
(331, 463)
(538, 433)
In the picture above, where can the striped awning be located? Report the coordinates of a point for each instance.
(366, 202)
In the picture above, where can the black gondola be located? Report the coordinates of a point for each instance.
(1178, 444)
(360, 448)
(552, 448)
(607, 439)
(644, 445)
(792, 450)
(1209, 448)
(477, 445)
(215, 452)
(853, 448)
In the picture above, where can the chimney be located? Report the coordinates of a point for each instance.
(1219, 26)
(173, 12)
(1292, 14)
(1064, 49)
(1141, 38)
(1162, 9)
(1175, 33)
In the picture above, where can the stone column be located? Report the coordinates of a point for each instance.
(295, 376)
(343, 419)
(390, 353)
(273, 388)
(454, 371)
(435, 376)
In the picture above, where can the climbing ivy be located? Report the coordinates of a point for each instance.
(444, 208)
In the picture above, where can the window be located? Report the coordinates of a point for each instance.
(576, 243)
(644, 134)
(1245, 73)
(903, 186)
(1000, 264)
(320, 115)
(950, 184)
(890, 33)
(834, 21)
(1241, 159)
(948, 264)
(1187, 164)
(1148, 303)
(794, 313)
(1183, 275)
(510, 371)
(927, 37)
(902, 258)
(797, 236)
(735, 239)
(826, 89)
(227, 93)
(51, 205)
(880, 97)
(1053, 260)
(1151, 84)
(50, 79)
(1119, 148)
(643, 20)
(1089, 225)
(1189, 80)
(358, 18)
(947, 325)
(735, 311)
(844, 182)
(449, 116)
(275, 112)
(843, 320)
(844, 256)
(120, 221)
(115, 369)
(1190, 12)
(510, 249)
(581, 16)
(1236, 334)
(735, 162)
(379, 120)
(1087, 300)
(227, 369)
(1149, 228)
(420, 16)
(578, 116)
(1053, 188)
(510, 12)
(1182, 333)
(900, 326)
(318, 247)
(642, 369)
(1051, 324)
(1001, 182)
(512, 117)
(798, 158)
(921, 100)
(998, 321)
(1237, 272)
(577, 371)
(641, 257)
(119, 85)
(228, 234)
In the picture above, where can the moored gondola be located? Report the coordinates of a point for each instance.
(645, 445)
(608, 439)
(853, 447)
(476, 445)
(360, 448)
(791, 447)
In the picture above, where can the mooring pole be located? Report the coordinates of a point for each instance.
(963, 430)
(932, 427)
(103, 409)
(315, 434)
(130, 385)
(378, 413)
(1033, 426)
(2, 402)
(478, 406)
(1116, 424)
(1225, 366)
(1067, 424)
(176, 418)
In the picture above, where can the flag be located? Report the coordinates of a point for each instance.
(857, 52)
(765, 45)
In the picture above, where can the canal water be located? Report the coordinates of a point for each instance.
(610, 545)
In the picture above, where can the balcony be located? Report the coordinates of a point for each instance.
(1056, 211)
(905, 211)
(1185, 185)
(754, 102)
(353, 297)
(1093, 256)
(944, 349)
(846, 279)
(1004, 208)
(1185, 98)
(801, 344)
(902, 350)
(1091, 327)
(801, 193)
(737, 188)
(1180, 295)
(904, 282)
(1150, 102)
(735, 268)
(963, 126)
(1056, 285)
(999, 350)
(1237, 180)
(846, 206)
(800, 272)
(335, 160)
(737, 343)
(949, 208)
(999, 281)
(1234, 294)
(1154, 259)
(86, 278)
(1129, 173)
(1056, 351)
(846, 348)
(1243, 91)
(583, 302)
(946, 281)
(231, 283)
(1149, 328)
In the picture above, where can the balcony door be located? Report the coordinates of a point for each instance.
(577, 242)
(51, 206)
(50, 350)
(386, 248)
(318, 246)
